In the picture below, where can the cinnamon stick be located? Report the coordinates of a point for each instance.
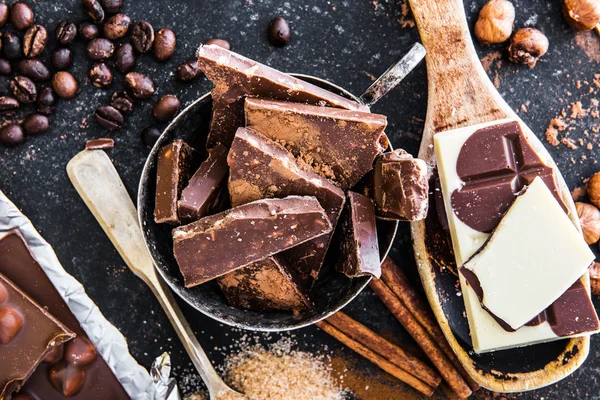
(394, 354)
(376, 359)
(396, 280)
(420, 335)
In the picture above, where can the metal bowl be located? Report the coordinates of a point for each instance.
(332, 291)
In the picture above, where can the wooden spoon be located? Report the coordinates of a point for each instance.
(461, 94)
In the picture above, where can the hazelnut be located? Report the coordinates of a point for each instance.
(593, 189)
(582, 15)
(595, 278)
(527, 46)
(589, 217)
(495, 22)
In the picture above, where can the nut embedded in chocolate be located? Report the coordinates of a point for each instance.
(34, 41)
(10, 324)
(117, 26)
(65, 32)
(80, 352)
(55, 354)
(34, 69)
(142, 36)
(100, 75)
(109, 117)
(140, 86)
(24, 89)
(66, 378)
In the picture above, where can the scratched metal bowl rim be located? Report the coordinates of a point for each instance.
(207, 298)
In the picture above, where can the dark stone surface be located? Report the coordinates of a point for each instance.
(346, 42)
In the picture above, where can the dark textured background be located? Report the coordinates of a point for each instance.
(347, 42)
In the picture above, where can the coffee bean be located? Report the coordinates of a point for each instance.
(109, 117)
(61, 58)
(34, 41)
(166, 108)
(140, 86)
(65, 378)
(46, 103)
(219, 42)
(124, 58)
(21, 16)
(4, 14)
(100, 75)
(112, 6)
(5, 67)
(11, 135)
(11, 46)
(150, 136)
(21, 396)
(164, 44)
(64, 84)
(35, 124)
(65, 32)
(188, 71)
(94, 10)
(279, 32)
(88, 31)
(117, 26)
(121, 101)
(34, 69)
(142, 36)
(100, 49)
(8, 105)
(24, 89)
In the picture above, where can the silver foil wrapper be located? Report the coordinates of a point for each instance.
(160, 372)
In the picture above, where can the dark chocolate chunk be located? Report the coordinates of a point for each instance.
(221, 243)
(100, 144)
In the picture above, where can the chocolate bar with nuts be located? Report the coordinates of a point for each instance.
(216, 245)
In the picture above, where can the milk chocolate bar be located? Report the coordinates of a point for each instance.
(261, 168)
(28, 333)
(359, 249)
(265, 285)
(206, 191)
(216, 245)
(236, 77)
(340, 145)
(176, 163)
(400, 186)
(75, 370)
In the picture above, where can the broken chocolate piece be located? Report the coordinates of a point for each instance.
(28, 333)
(261, 168)
(265, 285)
(400, 186)
(206, 191)
(221, 243)
(176, 163)
(358, 242)
(100, 144)
(340, 145)
(236, 77)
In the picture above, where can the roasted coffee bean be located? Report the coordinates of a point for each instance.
(109, 117)
(279, 32)
(94, 10)
(164, 44)
(112, 6)
(100, 49)
(34, 41)
(142, 36)
(5, 67)
(11, 135)
(219, 42)
(62, 58)
(88, 31)
(66, 378)
(140, 86)
(65, 32)
(117, 26)
(8, 105)
(166, 108)
(100, 75)
(22, 396)
(150, 136)
(46, 103)
(24, 89)
(4, 14)
(125, 58)
(34, 69)
(21, 16)
(35, 124)
(64, 84)
(11, 46)
(188, 71)
(121, 101)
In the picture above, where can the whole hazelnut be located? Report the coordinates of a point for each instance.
(595, 278)
(589, 217)
(527, 46)
(582, 15)
(495, 22)
(593, 189)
